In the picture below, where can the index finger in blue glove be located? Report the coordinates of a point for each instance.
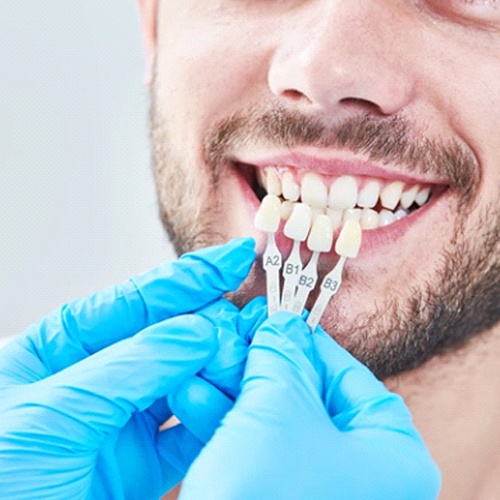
(353, 396)
(87, 325)
(282, 355)
(86, 401)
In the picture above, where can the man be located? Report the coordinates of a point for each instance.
(400, 94)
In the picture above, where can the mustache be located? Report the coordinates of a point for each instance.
(389, 140)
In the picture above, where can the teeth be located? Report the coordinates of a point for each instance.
(291, 190)
(313, 191)
(316, 212)
(343, 193)
(298, 225)
(368, 196)
(321, 235)
(336, 217)
(400, 213)
(352, 214)
(386, 217)
(269, 214)
(369, 219)
(391, 194)
(273, 182)
(423, 196)
(343, 202)
(408, 197)
(286, 209)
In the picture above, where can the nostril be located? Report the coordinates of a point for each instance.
(365, 104)
(294, 95)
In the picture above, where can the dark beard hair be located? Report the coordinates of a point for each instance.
(463, 298)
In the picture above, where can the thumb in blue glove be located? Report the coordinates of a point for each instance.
(311, 422)
(82, 393)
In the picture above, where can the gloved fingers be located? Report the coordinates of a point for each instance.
(159, 411)
(177, 448)
(353, 396)
(280, 372)
(200, 407)
(90, 399)
(251, 318)
(88, 325)
(225, 369)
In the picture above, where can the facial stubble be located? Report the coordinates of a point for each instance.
(404, 329)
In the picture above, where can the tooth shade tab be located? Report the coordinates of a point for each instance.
(313, 191)
(269, 214)
(349, 241)
(299, 223)
(321, 235)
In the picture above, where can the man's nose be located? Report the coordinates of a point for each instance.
(347, 53)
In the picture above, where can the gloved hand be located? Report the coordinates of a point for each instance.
(82, 392)
(311, 422)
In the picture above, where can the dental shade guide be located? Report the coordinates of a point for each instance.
(296, 228)
(347, 246)
(320, 240)
(268, 219)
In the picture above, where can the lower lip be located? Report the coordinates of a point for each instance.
(373, 240)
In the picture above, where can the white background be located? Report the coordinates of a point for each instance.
(77, 202)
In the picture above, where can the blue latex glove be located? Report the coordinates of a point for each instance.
(82, 392)
(202, 401)
(311, 422)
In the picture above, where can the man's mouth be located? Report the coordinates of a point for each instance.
(386, 201)
(372, 201)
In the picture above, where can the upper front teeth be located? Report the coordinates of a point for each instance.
(347, 197)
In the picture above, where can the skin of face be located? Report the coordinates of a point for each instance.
(433, 66)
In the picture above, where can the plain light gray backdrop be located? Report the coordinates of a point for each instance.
(78, 208)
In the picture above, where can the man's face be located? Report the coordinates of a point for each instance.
(392, 91)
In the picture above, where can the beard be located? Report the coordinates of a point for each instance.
(404, 329)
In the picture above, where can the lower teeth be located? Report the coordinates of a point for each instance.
(367, 217)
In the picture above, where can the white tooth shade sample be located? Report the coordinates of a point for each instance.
(349, 241)
(321, 235)
(313, 191)
(391, 194)
(299, 223)
(343, 193)
(369, 194)
(269, 214)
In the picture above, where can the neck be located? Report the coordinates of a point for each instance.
(455, 402)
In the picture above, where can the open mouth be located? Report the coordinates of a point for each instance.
(374, 202)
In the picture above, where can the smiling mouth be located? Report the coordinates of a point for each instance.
(374, 202)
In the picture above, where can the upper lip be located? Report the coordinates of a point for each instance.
(331, 164)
